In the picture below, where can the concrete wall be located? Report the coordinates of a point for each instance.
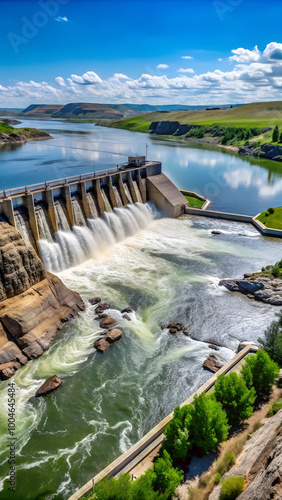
(218, 215)
(165, 195)
(155, 436)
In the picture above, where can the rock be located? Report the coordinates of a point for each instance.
(128, 318)
(101, 316)
(177, 326)
(7, 370)
(101, 345)
(102, 307)
(49, 385)
(172, 330)
(212, 363)
(127, 310)
(215, 231)
(214, 347)
(214, 342)
(34, 304)
(260, 463)
(259, 288)
(113, 336)
(247, 275)
(107, 322)
(185, 331)
(95, 301)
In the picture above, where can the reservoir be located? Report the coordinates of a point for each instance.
(168, 270)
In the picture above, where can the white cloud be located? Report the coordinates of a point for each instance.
(162, 66)
(185, 70)
(186, 57)
(220, 59)
(245, 55)
(60, 81)
(61, 19)
(88, 78)
(252, 81)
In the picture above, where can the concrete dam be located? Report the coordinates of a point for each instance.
(70, 220)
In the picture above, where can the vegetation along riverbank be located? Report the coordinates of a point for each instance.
(10, 135)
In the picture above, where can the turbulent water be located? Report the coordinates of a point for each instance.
(167, 271)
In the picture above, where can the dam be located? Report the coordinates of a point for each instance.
(68, 220)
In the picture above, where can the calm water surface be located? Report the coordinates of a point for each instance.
(233, 183)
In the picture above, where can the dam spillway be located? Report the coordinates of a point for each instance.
(70, 220)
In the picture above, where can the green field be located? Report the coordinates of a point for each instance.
(194, 202)
(261, 115)
(274, 220)
(5, 128)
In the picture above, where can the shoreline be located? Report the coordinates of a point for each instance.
(22, 138)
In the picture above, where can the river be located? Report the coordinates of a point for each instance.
(167, 271)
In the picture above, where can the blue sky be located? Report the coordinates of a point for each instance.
(180, 51)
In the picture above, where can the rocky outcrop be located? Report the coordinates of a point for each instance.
(21, 137)
(270, 151)
(261, 288)
(170, 128)
(260, 463)
(49, 385)
(34, 305)
(113, 336)
(212, 364)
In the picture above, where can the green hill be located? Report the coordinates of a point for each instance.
(261, 115)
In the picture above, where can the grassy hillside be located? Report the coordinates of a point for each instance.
(272, 220)
(261, 115)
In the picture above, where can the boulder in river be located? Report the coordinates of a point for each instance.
(113, 336)
(95, 300)
(212, 363)
(101, 345)
(107, 322)
(215, 231)
(127, 310)
(258, 287)
(102, 307)
(127, 317)
(49, 385)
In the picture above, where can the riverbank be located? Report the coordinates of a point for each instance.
(11, 135)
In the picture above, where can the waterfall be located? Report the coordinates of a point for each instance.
(61, 215)
(127, 192)
(44, 226)
(71, 248)
(117, 196)
(78, 215)
(137, 191)
(106, 199)
(92, 204)
(23, 226)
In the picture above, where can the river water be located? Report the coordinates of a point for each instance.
(167, 271)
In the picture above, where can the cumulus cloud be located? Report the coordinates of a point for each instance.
(61, 19)
(186, 57)
(256, 80)
(245, 55)
(162, 66)
(88, 78)
(60, 81)
(185, 70)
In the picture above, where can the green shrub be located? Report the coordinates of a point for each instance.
(271, 210)
(209, 424)
(177, 433)
(217, 477)
(260, 372)
(275, 271)
(111, 488)
(266, 214)
(275, 407)
(275, 134)
(166, 477)
(231, 488)
(236, 399)
(272, 342)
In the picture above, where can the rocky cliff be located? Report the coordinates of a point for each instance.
(260, 463)
(170, 128)
(34, 304)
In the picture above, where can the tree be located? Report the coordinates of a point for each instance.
(114, 489)
(166, 477)
(260, 372)
(142, 488)
(209, 425)
(236, 399)
(272, 342)
(275, 134)
(177, 433)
